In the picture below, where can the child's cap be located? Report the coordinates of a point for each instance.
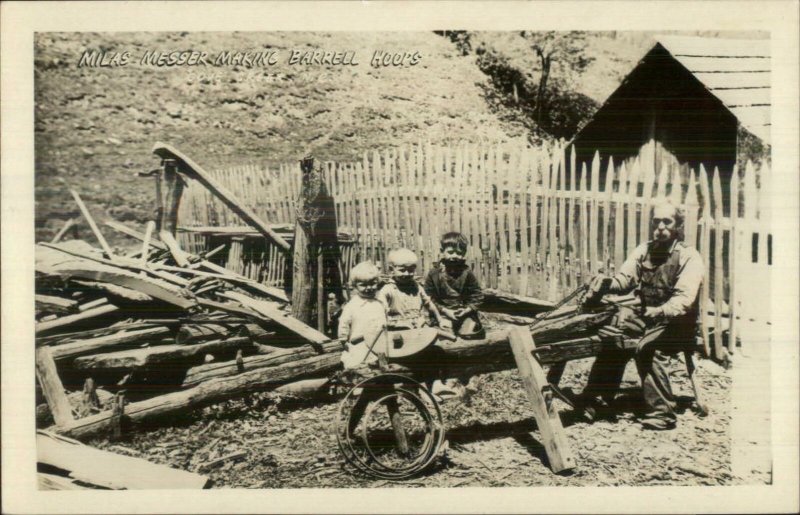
(454, 239)
(402, 257)
(364, 271)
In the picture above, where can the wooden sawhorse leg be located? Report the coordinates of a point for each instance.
(552, 432)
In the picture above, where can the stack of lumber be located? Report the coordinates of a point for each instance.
(156, 331)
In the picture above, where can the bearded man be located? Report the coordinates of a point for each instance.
(666, 275)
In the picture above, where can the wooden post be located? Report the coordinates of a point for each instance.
(174, 184)
(193, 170)
(554, 439)
(316, 249)
(52, 388)
(146, 243)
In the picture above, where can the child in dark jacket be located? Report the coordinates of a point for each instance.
(454, 288)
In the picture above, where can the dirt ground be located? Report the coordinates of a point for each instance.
(492, 440)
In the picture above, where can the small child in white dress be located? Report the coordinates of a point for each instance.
(363, 320)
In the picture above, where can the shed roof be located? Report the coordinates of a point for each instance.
(736, 71)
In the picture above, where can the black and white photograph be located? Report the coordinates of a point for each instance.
(376, 258)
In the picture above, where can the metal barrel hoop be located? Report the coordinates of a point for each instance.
(396, 386)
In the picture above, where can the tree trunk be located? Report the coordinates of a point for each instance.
(542, 92)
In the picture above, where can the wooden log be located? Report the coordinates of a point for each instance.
(64, 321)
(137, 358)
(93, 345)
(108, 470)
(51, 304)
(200, 373)
(113, 289)
(93, 225)
(209, 392)
(553, 437)
(193, 170)
(52, 389)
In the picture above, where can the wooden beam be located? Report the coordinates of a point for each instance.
(124, 229)
(196, 172)
(552, 432)
(52, 388)
(92, 345)
(108, 470)
(132, 359)
(272, 311)
(78, 317)
(174, 184)
(177, 253)
(96, 230)
(148, 232)
(53, 304)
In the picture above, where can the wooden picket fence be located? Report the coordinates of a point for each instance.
(537, 225)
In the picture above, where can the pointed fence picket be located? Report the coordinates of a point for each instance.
(537, 223)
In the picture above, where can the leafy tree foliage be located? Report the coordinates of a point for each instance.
(565, 50)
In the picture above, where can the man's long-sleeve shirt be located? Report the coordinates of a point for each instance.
(672, 282)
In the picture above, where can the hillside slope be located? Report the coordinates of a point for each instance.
(95, 127)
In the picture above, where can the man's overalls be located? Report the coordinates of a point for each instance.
(658, 275)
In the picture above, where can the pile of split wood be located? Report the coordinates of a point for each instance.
(156, 331)
(124, 339)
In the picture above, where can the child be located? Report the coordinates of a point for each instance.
(363, 319)
(407, 304)
(454, 288)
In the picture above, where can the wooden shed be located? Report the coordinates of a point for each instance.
(689, 101)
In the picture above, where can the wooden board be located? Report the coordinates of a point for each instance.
(194, 170)
(52, 388)
(554, 439)
(109, 470)
(91, 345)
(273, 312)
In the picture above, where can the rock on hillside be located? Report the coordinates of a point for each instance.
(95, 126)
